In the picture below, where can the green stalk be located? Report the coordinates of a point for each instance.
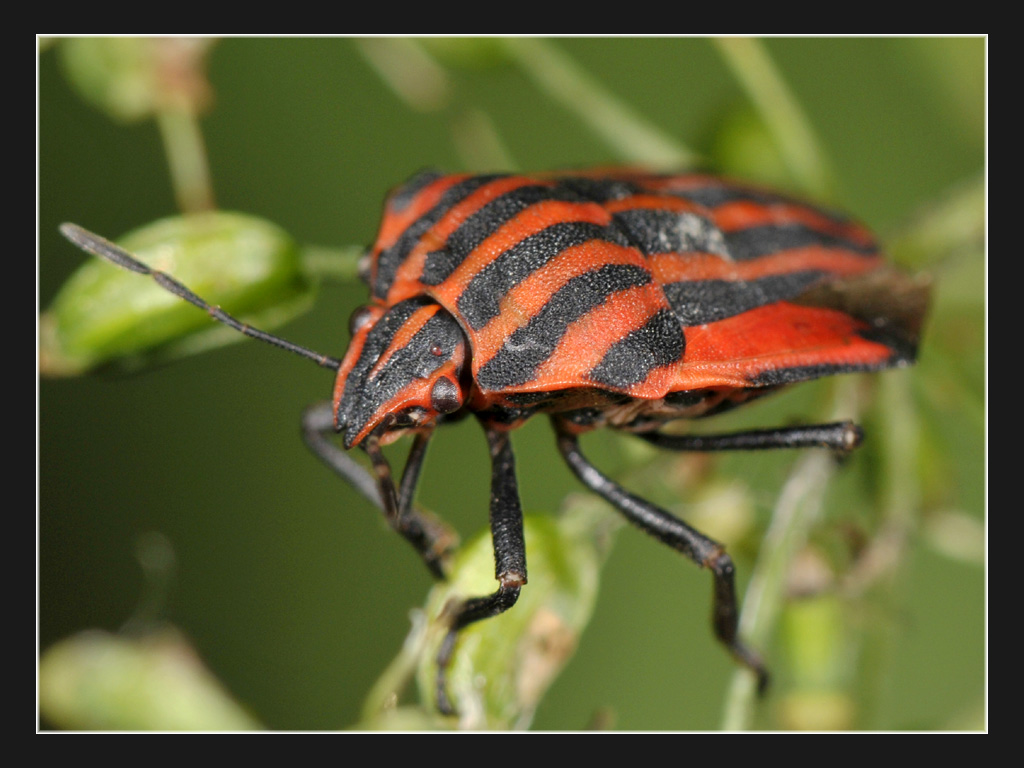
(798, 508)
(629, 133)
(186, 159)
(789, 126)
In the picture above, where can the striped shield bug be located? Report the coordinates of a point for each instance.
(618, 299)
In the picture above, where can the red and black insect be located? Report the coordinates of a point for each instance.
(604, 299)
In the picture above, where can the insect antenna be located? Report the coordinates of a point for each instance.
(105, 249)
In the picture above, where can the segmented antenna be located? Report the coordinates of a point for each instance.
(105, 249)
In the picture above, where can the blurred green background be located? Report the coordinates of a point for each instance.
(288, 584)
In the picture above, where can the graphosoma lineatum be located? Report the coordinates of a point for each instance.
(618, 299)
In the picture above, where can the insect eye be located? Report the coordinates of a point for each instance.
(358, 319)
(445, 396)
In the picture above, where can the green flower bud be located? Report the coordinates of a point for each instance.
(502, 667)
(104, 314)
(95, 680)
(131, 78)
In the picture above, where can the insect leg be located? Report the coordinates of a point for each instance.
(317, 425)
(841, 436)
(431, 538)
(670, 530)
(411, 472)
(509, 557)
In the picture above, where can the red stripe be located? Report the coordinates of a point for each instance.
(732, 352)
(530, 296)
(395, 222)
(691, 267)
(743, 214)
(534, 219)
(404, 335)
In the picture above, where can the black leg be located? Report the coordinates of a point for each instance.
(317, 426)
(431, 538)
(411, 472)
(509, 558)
(672, 531)
(842, 436)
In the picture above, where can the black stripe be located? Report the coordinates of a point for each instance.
(779, 376)
(755, 242)
(659, 342)
(902, 341)
(664, 231)
(483, 223)
(379, 339)
(364, 396)
(480, 301)
(402, 196)
(705, 301)
(715, 195)
(529, 346)
(601, 190)
(392, 258)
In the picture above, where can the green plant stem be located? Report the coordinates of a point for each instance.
(479, 143)
(879, 566)
(950, 227)
(338, 264)
(385, 693)
(626, 131)
(797, 510)
(800, 148)
(411, 73)
(798, 507)
(186, 159)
